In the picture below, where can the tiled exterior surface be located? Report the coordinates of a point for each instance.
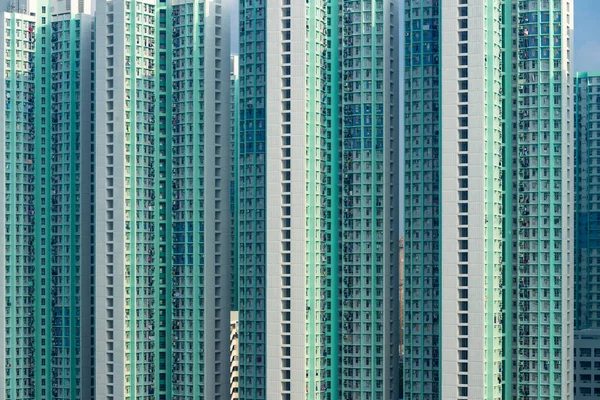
(587, 200)
(46, 207)
(318, 199)
(488, 206)
(162, 196)
(586, 380)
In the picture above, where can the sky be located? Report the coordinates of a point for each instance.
(587, 35)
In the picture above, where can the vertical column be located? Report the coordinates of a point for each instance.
(287, 148)
(422, 200)
(252, 196)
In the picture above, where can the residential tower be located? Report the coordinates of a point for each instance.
(318, 199)
(46, 206)
(587, 200)
(488, 199)
(162, 200)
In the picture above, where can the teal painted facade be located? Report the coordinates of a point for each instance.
(234, 98)
(527, 319)
(368, 202)
(422, 191)
(251, 200)
(346, 87)
(46, 204)
(165, 201)
(165, 161)
(587, 200)
(544, 147)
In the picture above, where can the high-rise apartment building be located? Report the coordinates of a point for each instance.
(401, 291)
(162, 200)
(234, 97)
(45, 201)
(586, 349)
(318, 199)
(233, 356)
(587, 200)
(488, 205)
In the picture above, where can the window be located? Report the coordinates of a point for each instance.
(585, 352)
(585, 365)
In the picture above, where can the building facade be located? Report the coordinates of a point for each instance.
(489, 153)
(233, 356)
(234, 93)
(586, 380)
(46, 208)
(587, 200)
(401, 291)
(162, 200)
(318, 199)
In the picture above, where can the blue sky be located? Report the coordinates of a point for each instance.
(587, 35)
